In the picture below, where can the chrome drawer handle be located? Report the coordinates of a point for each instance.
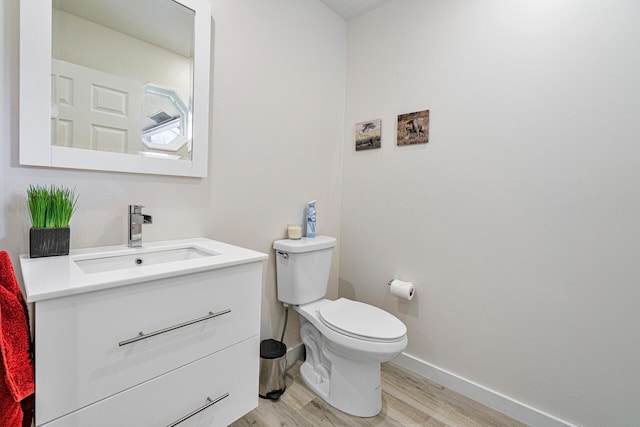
(143, 336)
(191, 414)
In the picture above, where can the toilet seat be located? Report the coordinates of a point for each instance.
(361, 321)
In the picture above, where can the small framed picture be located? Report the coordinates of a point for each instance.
(413, 128)
(368, 135)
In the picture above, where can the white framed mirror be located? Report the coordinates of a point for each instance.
(98, 93)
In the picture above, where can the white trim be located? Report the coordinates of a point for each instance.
(491, 398)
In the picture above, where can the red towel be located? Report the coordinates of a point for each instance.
(17, 379)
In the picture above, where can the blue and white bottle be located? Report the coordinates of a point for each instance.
(311, 219)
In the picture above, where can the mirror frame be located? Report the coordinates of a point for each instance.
(35, 102)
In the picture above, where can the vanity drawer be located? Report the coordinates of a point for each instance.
(80, 350)
(168, 398)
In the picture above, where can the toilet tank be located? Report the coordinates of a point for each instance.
(302, 268)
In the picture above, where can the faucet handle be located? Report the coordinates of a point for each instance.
(135, 209)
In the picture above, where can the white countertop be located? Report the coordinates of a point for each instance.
(58, 276)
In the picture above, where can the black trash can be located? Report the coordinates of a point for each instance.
(273, 365)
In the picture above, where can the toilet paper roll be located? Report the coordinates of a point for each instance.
(401, 289)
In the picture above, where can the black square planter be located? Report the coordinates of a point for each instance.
(49, 241)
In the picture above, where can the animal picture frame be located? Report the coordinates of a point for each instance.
(413, 128)
(368, 134)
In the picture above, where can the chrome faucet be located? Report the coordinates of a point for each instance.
(136, 219)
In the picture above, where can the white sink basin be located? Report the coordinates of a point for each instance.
(106, 267)
(102, 264)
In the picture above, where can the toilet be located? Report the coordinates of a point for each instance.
(345, 341)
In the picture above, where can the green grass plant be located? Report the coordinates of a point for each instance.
(51, 207)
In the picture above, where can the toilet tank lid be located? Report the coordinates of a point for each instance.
(306, 244)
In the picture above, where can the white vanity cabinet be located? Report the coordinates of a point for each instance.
(179, 349)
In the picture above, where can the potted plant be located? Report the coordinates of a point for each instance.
(50, 210)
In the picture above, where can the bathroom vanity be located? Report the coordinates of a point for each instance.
(152, 336)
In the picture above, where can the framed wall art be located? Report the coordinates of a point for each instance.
(413, 128)
(368, 135)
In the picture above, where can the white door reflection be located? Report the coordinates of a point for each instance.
(94, 110)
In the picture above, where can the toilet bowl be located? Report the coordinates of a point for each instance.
(342, 366)
(345, 341)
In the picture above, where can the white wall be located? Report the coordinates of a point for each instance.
(277, 120)
(518, 221)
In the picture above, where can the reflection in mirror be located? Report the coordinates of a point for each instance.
(166, 123)
(122, 77)
(40, 123)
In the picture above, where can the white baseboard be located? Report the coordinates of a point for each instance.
(501, 403)
(294, 353)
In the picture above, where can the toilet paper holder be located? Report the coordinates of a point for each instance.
(401, 289)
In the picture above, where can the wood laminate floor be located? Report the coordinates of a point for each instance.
(407, 400)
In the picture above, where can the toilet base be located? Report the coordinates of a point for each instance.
(348, 385)
(343, 370)
(353, 387)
